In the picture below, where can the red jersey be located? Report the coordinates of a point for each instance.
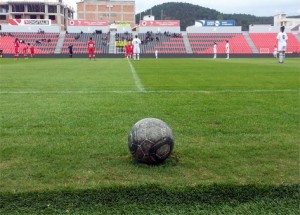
(17, 45)
(91, 47)
(127, 49)
(131, 49)
(25, 48)
(91, 44)
(32, 49)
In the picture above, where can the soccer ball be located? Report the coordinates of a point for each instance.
(150, 141)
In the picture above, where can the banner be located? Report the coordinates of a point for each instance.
(40, 22)
(87, 23)
(160, 23)
(214, 23)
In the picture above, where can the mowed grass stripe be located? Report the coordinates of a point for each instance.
(65, 75)
(152, 91)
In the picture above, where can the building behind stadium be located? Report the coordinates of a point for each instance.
(56, 16)
(34, 13)
(113, 11)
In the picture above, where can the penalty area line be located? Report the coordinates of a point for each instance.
(136, 78)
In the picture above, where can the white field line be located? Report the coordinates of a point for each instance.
(149, 91)
(136, 78)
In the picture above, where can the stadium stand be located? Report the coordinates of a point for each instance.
(267, 41)
(45, 43)
(203, 43)
(162, 42)
(165, 43)
(124, 36)
(80, 40)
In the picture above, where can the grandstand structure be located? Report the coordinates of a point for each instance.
(50, 26)
(79, 42)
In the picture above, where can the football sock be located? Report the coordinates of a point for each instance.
(280, 58)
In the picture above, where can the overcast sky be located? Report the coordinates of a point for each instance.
(253, 7)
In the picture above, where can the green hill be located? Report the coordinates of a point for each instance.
(188, 13)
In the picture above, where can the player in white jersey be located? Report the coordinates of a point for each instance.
(215, 49)
(136, 48)
(282, 38)
(227, 49)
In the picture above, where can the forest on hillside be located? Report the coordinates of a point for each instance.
(187, 14)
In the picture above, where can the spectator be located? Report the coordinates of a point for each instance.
(70, 47)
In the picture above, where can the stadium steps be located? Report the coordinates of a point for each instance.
(60, 42)
(112, 41)
(250, 42)
(187, 44)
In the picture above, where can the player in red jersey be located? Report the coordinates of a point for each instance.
(131, 50)
(31, 50)
(16, 45)
(91, 49)
(25, 50)
(128, 50)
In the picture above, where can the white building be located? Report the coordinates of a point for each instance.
(282, 20)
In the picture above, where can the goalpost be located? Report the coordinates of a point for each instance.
(264, 51)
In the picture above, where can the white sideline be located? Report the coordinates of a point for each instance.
(150, 91)
(136, 78)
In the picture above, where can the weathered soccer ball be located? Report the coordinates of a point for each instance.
(150, 141)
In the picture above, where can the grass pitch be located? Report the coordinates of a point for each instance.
(64, 127)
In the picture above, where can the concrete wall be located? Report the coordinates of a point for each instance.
(207, 30)
(30, 29)
(265, 29)
(159, 29)
(87, 29)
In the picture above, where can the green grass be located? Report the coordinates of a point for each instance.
(64, 127)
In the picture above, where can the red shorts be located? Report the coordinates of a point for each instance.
(91, 51)
(128, 53)
(17, 50)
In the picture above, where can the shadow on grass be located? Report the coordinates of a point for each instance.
(158, 200)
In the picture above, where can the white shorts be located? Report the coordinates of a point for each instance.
(136, 50)
(281, 47)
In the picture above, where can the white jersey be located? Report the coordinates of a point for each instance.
(136, 45)
(227, 48)
(282, 38)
